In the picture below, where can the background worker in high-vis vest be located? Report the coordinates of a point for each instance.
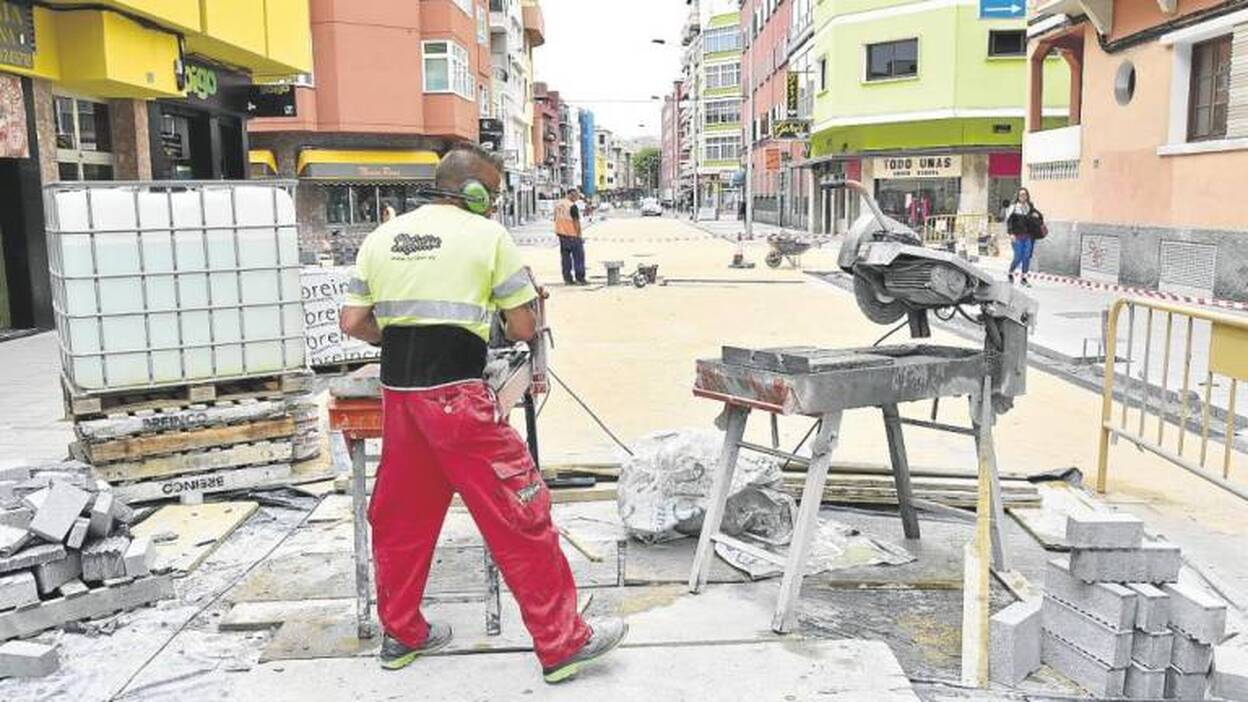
(426, 286)
(571, 245)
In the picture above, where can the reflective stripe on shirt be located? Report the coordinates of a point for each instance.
(512, 285)
(431, 310)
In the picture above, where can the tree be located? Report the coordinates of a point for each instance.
(646, 164)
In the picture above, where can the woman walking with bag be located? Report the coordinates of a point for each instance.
(1025, 223)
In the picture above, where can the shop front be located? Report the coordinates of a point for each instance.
(344, 194)
(912, 188)
(203, 136)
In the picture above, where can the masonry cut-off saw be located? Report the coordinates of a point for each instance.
(896, 277)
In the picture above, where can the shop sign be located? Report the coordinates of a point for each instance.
(271, 101)
(773, 159)
(491, 134)
(13, 142)
(216, 87)
(792, 91)
(17, 35)
(948, 166)
(369, 171)
(791, 129)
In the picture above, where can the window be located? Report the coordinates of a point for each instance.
(363, 204)
(447, 69)
(823, 73)
(483, 26)
(727, 75)
(483, 99)
(722, 148)
(893, 59)
(1209, 94)
(723, 39)
(84, 141)
(1007, 42)
(465, 5)
(726, 112)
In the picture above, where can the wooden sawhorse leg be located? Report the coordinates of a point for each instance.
(807, 521)
(718, 499)
(359, 514)
(901, 470)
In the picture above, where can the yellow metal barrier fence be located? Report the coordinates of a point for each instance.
(1220, 344)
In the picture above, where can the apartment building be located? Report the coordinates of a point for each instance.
(1141, 182)
(114, 90)
(589, 154)
(516, 27)
(364, 134)
(923, 101)
(720, 176)
(669, 146)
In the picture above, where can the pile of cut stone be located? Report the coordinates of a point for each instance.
(1115, 620)
(66, 554)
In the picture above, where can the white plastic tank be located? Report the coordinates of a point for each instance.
(159, 284)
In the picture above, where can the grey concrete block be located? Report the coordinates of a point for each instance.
(78, 533)
(1104, 530)
(17, 590)
(1230, 673)
(1197, 613)
(105, 559)
(1151, 563)
(74, 588)
(1191, 656)
(1153, 608)
(1145, 683)
(1089, 673)
(139, 557)
(101, 524)
(1186, 686)
(52, 575)
(1113, 648)
(12, 540)
(56, 516)
(15, 473)
(27, 659)
(1109, 603)
(32, 556)
(34, 499)
(17, 517)
(122, 512)
(96, 602)
(1152, 650)
(1014, 643)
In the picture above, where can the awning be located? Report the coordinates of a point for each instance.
(328, 164)
(263, 157)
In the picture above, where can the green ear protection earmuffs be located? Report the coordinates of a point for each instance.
(476, 197)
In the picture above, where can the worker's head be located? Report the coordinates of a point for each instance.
(466, 170)
(572, 194)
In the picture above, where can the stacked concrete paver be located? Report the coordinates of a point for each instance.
(65, 554)
(1115, 619)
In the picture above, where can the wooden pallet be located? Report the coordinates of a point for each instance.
(196, 462)
(153, 422)
(230, 480)
(82, 404)
(142, 447)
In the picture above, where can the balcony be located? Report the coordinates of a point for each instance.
(498, 21)
(1053, 145)
(534, 25)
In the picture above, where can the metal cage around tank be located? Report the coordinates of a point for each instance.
(162, 283)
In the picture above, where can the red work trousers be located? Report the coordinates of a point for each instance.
(451, 439)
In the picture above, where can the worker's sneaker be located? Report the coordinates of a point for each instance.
(395, 654)
(605, 634)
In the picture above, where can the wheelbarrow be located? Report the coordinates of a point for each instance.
(786, 247)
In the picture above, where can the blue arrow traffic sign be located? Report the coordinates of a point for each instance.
(1002, 9)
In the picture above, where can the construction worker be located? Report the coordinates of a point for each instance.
(571, 245)
(425, 287)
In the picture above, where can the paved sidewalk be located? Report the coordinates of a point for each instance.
(32, 425)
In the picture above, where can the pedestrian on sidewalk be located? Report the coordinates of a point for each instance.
(1025, 224)
(425, 288)
(571, 245)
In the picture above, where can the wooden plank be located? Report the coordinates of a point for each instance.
(188, 419)
(83, 404)
(137, 448)
(94, 603)
(198, 530)
(598, 493)
(179, 464)
(205, 483)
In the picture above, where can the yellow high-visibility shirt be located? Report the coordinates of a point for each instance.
(439, 265)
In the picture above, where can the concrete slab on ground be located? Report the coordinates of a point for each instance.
(793, 670)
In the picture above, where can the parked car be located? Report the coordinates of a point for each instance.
(651, 207)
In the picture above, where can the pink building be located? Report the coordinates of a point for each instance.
(395, 84)
(670, 147)
(780, 189)
(1144, 183)
(547, 157)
